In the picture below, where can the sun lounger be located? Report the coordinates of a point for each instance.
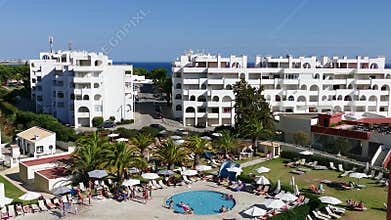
(82, 187)
(27, 209)
(151, 185)
(50, 204)
(35, 208)
(56, 202)
(162, 184)
(345, 173)
(11, 211)
(42, 205)
(318, 167)
(324, 215)
(110, 182)
(308, 217)
(298, 172)
(331, 213)
(187, 181)
(336, 209)
(4, 210)
(332, 166)
(340, 168)
(19, 210)
(156, 185)
(317, 216)
(372, 174)
(379, 176)
(302, 162)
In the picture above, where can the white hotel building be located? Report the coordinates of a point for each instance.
(203, 95)
(76, 86)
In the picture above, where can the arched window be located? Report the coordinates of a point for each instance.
(178, 108)
(374, 66)
(375, 87)
(227, 99)
(242, 76)
(347, 98)
(190, 109)
(385, 88)
(45, 57)
(203, 86)
(178, 86)
(306, 65)
(339, 98)
(97, 97)
(228, 87)
(201, 98)
(314, 88)
(291, 98)
(372, 98)
(278, 86)
(178, 96)
(350, 86)
(278, 98)
(301, 99)
(98, 62)
(363, 98)
(324, 98)
(316, 76)
(388, 76)
(268, 97)
(303, 87)
(192, 98)
(337, 109)
(215, 98)
(96, 85)
(86, 97)
(83, 109)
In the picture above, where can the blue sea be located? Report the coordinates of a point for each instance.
(148, 65)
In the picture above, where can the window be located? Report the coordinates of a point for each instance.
(39, 149)
(96, 85)
(178, 108)
(178, 86)
(60, 95)
(178, 96)
(98, 108)
(60, 104)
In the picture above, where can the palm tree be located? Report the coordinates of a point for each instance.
(198, 146)
(171, 153)
(142, 141)
(255, 130)
(120, 156)
(88, 156)
(227, 142)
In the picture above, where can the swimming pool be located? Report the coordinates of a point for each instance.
(203, 202)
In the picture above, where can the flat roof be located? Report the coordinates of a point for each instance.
(54, 173)
(31, 133)
(52, 159)
(301, 115)
(375, 120)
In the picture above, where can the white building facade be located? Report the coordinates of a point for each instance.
(203, 85)
(36, 142)
(76, 86)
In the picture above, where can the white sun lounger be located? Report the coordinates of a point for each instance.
(187, 181)
(332, 166)
(308, 217)
(82, 187)
(331, 213)
(317, 216)
(151, 185)
(162, 184)
(42, 205)
(35, 208)
(336, 209)
(11, 211)
(156, 185)
(50, 204)
(340, 168)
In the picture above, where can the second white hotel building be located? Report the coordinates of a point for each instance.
(203, 83)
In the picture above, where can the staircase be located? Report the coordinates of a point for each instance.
(382, 154)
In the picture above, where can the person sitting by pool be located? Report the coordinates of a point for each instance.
(189, 211)
(223, 209)
(170, 204)
(230, 197)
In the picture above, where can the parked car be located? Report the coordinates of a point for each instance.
(155, 126)
(107, 124)
(157, 115)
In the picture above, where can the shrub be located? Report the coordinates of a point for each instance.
(246, 178)
(153, 132)
(126, 121)
(126, 133)
(112, 118)
(96, 121)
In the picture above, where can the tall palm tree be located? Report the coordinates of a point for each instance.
(227, 142)
(120, 156)
(198, 146)
(171, 153)
(89, 155)
(142, 141)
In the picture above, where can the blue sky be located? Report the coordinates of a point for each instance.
(264, 27)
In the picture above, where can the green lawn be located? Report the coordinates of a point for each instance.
(11, 191)
(373, 195)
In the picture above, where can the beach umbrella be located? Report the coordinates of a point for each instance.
(306, 153)
(131, 182)
(262, 180)
(330, 200)
(273, 203)
(133, 170)
(5, 201)
(176, 137)
(255, 212)
(296, 190)
(286, 196)
(292, 182)
(112, 135)
(278, 187)
(179, 142)
(262, 170)
(97, 174)
(165, 172)
(190, 172)
(61, 190)
(206, 138)
(150, 176)
(216, 134)
(122, 140)
(29, 196)
(203, 167)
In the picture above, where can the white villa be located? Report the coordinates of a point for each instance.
(76, 86)
(36, 142)
(203, 83)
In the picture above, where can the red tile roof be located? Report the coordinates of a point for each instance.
(53, 173)
(375, 120)
(53, 159)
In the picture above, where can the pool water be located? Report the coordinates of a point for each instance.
(203, 202)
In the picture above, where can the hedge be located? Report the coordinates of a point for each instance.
(300, 212)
